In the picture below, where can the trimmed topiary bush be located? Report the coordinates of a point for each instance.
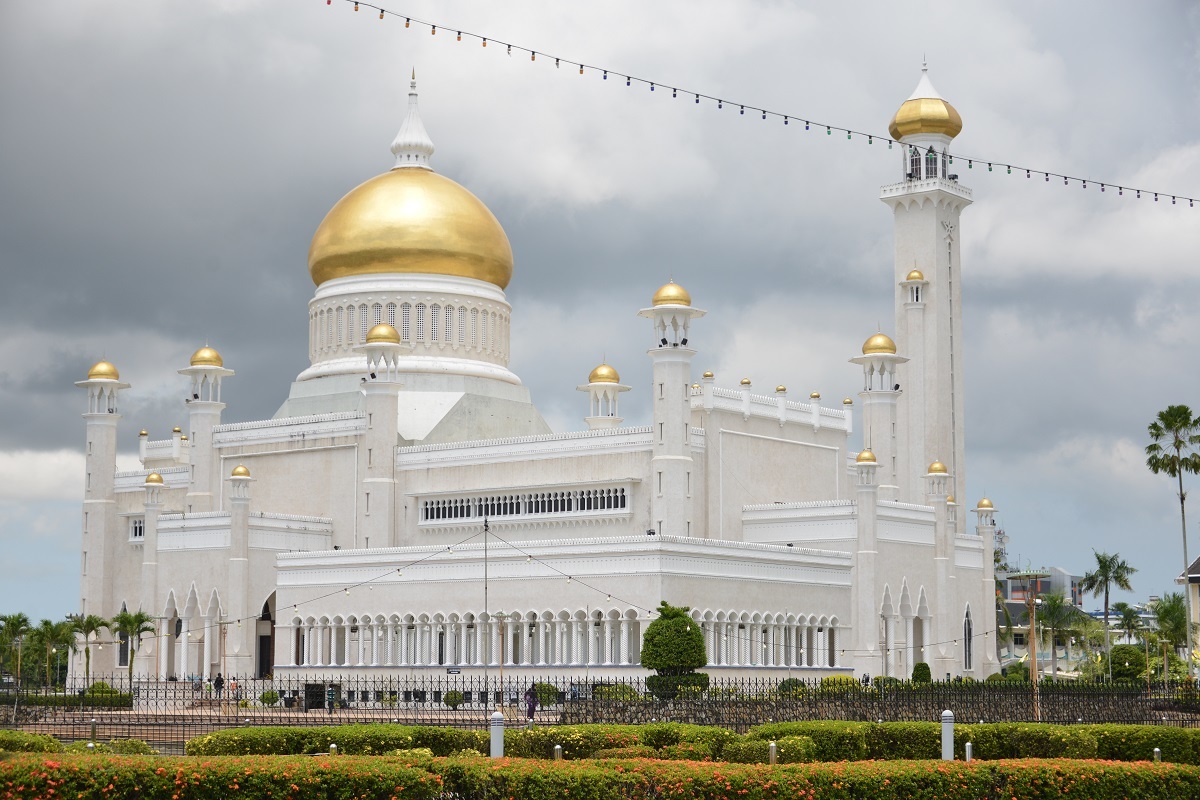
(131, 747)
(21, 742)
(921, 673)
(453, 699)
(673, 646)
(832, 741)
(618, 692)
(791, 687)
(546, 693)
(269, 698)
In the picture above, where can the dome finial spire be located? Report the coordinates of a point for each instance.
(412, 146)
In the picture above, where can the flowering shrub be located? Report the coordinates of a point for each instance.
(19, 742)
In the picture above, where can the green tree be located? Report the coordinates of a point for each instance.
(50, 636)
(133, 626)
(1170, 615)
(1057, 616)
(15, 626)
(1173, 449)
(1128, 662)
(673, 646)
(1111, 570)
(87, 627)
(1129, 621)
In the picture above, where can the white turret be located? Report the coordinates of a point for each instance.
(880, 393)
(377, 522)
(603, 388)
(412, 146)
(205, 371)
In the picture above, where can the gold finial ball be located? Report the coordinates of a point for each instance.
(865, 456)
(383, 334)
(814, 396)
(604, 374)
(985, 504)
(207, 357)
(240, 472)
(671, 294)
(878, 344)
(708, 374)
(183, 438)
(103, 371)
(745, 381)
(154, 479)
(177, 429)
(781, 389)
(938, 468)
(915, 275)
(846, 401)
(950, 499)
(143, 433)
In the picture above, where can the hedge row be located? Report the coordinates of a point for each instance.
(300, 778)
(98, 700)
(831, 741)
(21, 742)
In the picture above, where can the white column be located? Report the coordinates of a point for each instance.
(494, 656)
(624, 655)
(479, 640)
(889, 644)
(390, 655)
(909, 661)
(770, 662)
(609, 656)
(540, 642)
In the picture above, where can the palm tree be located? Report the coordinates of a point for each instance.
(1111, 570)
(1056, 615)
(15, 627)
(133, 626)
(1129, 621)
(87, 627)
(1174, 442)
(49, 637)
(1170, 614)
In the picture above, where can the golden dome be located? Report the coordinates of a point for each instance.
(604, 374)
(781, 388)
(985, 503)
(938, 468)
(410, 221)
(154, 478)
(183, 438)
(103, 370)
(814, 396)
(846, 401)
(143, 432)
(915, 275)
(695, 386)
(865, 457)
(207, 357)
(383, 333)
(708, 374)
(177, 429)
(925, 112)
(950, 498)
(745, 381)
(241, 472)
(671, 294)
(879, 343)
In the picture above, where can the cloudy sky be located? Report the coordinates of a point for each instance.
(164, 165)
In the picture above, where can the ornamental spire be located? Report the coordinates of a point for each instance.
(412, 146)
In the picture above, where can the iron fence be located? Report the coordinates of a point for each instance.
(167, 713)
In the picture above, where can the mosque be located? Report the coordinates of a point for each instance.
(408, 509)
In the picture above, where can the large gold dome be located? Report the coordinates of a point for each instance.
(925, 111)
(410, 220)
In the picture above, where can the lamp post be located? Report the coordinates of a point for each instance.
(54, 650)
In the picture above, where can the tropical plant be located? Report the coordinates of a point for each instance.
(1111, 570)
(15, 626)
(1170, 615)
(49, 637)
(1175, 449)
(673, 646)
(1057, 616)
(1129, 620)
(921, 673)
(132, 626)
(87, 627)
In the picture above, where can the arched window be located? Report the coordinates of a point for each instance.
(364, 322)
(462, 324)
(377, 311)
(914, 164)
(968, 640)
(945, 165)
(448, 328)
(341, 318)
(474, 328)
(931, 164)
(421, 322)
(392, 314)
(435, 317)
(483, 333)
(329, 328)
(350, 328)
(405, 316)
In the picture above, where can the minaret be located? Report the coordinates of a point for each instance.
(866, 600)
(985, 527)
(603, 387)
(941, 656)
(100, 520)
(926, 205)
(880, 394)
(377, 525)
(204, 407)
(672, 471)
(239, 638)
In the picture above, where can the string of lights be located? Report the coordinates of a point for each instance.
(765, 114)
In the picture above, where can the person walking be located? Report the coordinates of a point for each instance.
(219, 684)
(330, 697)
(530, 702)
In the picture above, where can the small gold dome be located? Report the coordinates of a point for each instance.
(695, 386)
(383, 333)
(183, 438)
(938, 468)
(880, 343)
(241, 472)
(745, 381)
(950, 499)
(915, 275)
(410, 221)
(846, 401)
(671, 294)
(177, 429)
(985, 503)
(781, 388)
(103, 370)
(154, 478)
(814, 396)
(143, 432)
(604, 374)
(865, 457)
(207, 357)
(708, 374)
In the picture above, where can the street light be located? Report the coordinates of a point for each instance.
(56, 664)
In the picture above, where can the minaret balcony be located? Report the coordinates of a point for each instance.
(925, 185)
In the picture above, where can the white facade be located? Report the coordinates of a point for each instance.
(351, 537)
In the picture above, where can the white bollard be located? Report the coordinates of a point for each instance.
(332, 749)
(773, 753)
(968, 749)
(497, 749)
(1157, 755)
(947, 735)
(558, 752)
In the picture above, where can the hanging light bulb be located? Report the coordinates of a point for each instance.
(970, 164)
(556, 63)
(407, 22)
(1010, 170)
(764, 115)
(381, 13)
(652, 87)
(433, 30)
(347, 590)
(356, 6)
(510, 49)
(870, 140)
(460, 36)
(626, 80)
(609, 598)
(605, 74)
(989, 166)
(828, 131)
(785, 120)
(568, 579)
(742, 109)
(581, 69)
(533, 56)
(528, 559)
(673, 93)
(485, 42)
(847, 134)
